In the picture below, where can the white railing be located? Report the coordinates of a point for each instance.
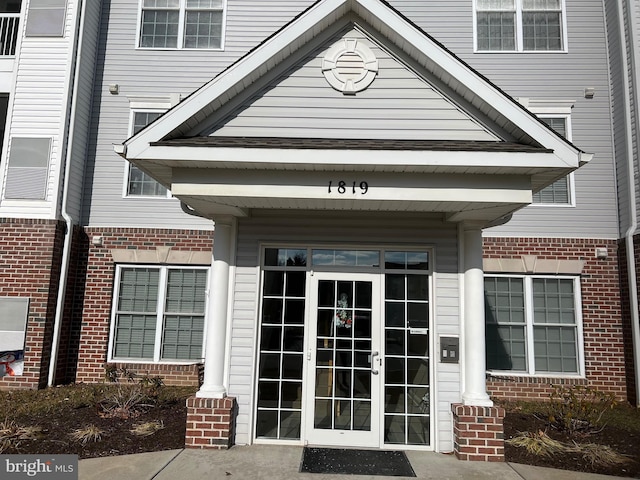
(8, 33)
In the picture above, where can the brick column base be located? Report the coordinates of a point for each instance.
(210, 422)
(478, 433)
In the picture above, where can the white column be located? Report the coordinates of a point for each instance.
(215, 342)
(474, 340)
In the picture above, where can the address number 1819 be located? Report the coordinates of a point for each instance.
(343, 187)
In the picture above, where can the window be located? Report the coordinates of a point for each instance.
(559, 192)
(46, 18)
(533, 324)
(28, 172)
(159, 313)
(520, 25)
(138, 182)
(181, 24)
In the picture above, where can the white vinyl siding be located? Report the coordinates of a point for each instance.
(181, 24)
(533, 324)
(138, 182)
(39, 107)
(399, 104)
(301, 230)
(177, 72)
(159, 313)
(519, 25)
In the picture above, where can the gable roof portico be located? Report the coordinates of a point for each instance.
(437, 137)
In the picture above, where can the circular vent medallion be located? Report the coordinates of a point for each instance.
(350, 66)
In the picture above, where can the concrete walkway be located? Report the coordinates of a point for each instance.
(273, 462)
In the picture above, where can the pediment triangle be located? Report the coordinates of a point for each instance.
(314, 98)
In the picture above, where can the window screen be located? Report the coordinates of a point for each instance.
(46, 18)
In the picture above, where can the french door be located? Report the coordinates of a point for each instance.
(342, 401)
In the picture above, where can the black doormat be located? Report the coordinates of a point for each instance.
(356, 462)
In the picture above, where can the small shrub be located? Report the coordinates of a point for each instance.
(578, 409)
(90, 433)
(147, 428)
(537, 443)
(12, 435)
(125, 401)
(131, 398)
(601, 455)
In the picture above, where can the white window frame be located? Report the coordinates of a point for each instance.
(519, 42)
(543, 108)
(140, 108)
(181, 33)
(529, 328)
(570, 178)
(162, 289)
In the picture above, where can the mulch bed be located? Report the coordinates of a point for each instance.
(116, 439)
(622, 441)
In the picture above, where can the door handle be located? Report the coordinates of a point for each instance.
(373, 356)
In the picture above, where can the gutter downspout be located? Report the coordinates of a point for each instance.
(68, 239)
(629, 242)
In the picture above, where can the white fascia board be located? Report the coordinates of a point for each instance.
(369, 159)
(381, 187)
(225, 82)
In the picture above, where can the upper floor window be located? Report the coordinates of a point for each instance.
(181, 24)
(559, 192)
(138, 182)
(520, 25)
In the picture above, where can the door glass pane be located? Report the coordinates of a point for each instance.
(295, 284)
(362, 415)
(294, 312)
(343, 357)
(417, 371)
(281, 352)
(290, 424)
(406, 372)
(394, 401)
(273, 283)
(394, 429)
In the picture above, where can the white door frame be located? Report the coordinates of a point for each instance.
(360, 438)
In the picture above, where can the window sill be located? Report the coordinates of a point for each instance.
(548, 378)
(176, 49)
(138, 362)
(535, 52)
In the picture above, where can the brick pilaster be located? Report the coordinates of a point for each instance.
(478, 433)
(210, 422)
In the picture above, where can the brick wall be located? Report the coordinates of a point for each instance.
(179, 375)
(98, 286)
(478, 433)
(30, 256)
(210, 422)
(603, 325)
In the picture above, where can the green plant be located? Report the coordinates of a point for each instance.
(87, 434)
(578, 409)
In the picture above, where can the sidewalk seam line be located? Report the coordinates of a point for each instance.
(167, 464)
(516, 472)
